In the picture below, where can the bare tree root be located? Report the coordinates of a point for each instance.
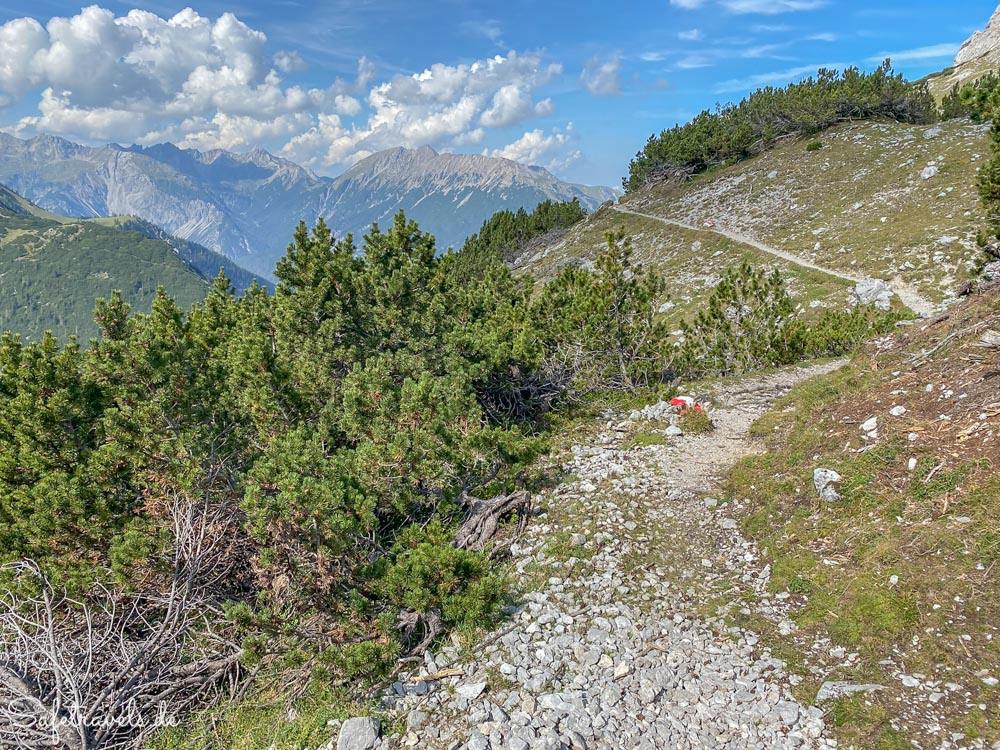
(483, 519)
(427, 625)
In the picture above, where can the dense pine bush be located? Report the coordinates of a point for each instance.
(507, 232)
(737, 131)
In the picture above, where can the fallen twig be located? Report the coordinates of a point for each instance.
(442, 674)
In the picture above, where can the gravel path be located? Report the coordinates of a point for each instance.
(906, 292)
(618, 644)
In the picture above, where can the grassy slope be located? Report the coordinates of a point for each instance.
(204, 261)
(826, 206)
(692, 262)
(903, 571)
(13, 203)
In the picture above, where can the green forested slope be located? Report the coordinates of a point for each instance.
(53, 269)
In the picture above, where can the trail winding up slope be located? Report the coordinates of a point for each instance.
(910, 297)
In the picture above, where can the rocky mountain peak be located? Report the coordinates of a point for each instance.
(982, 42)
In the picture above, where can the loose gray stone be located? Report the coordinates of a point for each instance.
(824, 481)
(470, 690)
(415, 720)
(360, 733)
(873, 292)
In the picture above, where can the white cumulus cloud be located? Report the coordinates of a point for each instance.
(552, 151)
(126, 77)
(442, 106)
(600, 76)
(213, 83)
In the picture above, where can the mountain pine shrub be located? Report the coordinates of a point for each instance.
(734, 132)
(747, 323)
(601, 327)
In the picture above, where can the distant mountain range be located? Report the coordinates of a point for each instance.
(53, 268)
(246, 206)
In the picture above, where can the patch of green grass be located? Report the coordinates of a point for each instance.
(643, 439)
(873, 616)
(695, 422)
(793, 570)
(264, 720)
(862, 721)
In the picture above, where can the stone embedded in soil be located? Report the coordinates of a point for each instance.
(824, 481)
(832, 690)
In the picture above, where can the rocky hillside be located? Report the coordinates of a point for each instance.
(979, 55)
(875, 199)
(53, 268)
(246, 206)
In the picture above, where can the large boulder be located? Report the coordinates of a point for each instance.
(873, 292)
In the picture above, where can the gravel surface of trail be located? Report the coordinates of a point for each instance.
(617, 643)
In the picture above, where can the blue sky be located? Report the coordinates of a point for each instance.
(576, 87)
